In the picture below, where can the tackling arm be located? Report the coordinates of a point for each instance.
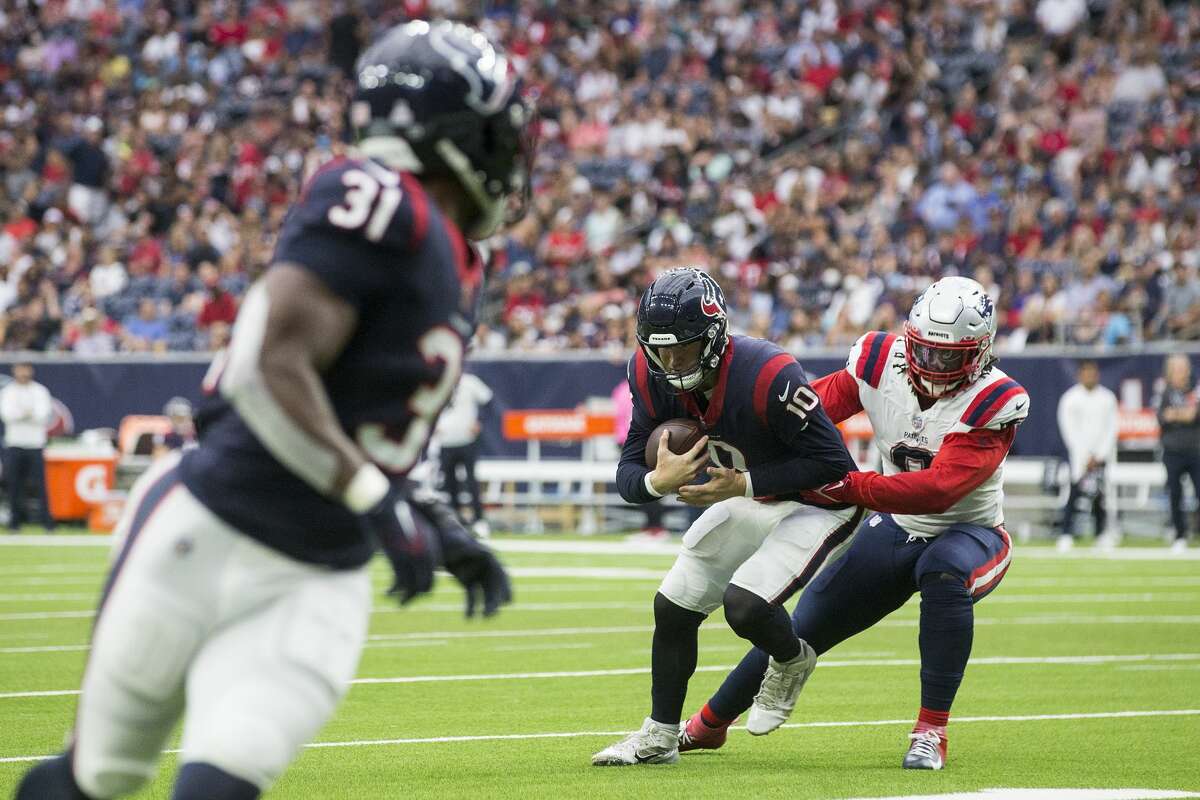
(963, 463)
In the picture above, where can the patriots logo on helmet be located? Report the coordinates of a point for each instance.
(985, 307)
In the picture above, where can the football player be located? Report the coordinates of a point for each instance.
(756, 545)
(944, 417)
(241, 590)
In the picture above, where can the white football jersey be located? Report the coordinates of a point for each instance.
(908, 438)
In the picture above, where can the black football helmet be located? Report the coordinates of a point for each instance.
(438, 98)
(683, 305)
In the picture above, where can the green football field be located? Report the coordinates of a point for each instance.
(1085, 674)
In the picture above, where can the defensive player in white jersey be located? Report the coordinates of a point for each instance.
(944, 417)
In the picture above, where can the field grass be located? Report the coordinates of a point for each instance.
(1061, 636)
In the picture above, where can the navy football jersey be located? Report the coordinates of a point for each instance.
(375, 238)
(762, 418)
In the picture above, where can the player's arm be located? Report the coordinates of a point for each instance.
(839, 395)
(795, 413)
(290, 329)
(967, 458)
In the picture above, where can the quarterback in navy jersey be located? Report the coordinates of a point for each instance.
(240, 590)
(756, 545)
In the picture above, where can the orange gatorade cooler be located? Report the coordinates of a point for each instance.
(78, 477)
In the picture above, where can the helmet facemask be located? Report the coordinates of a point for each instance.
(692, 375)
(939, 369)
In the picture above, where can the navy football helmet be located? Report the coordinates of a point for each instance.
(438, 98)
(682, 306)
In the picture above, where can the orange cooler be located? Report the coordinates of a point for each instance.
(78, 478)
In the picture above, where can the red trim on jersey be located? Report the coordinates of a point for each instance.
(762, 384)
(839, 395)
(961, 466)
(420, 208)
(988, 403)
(716, 403)
(641, 376)
(328, 165)
(876, 348)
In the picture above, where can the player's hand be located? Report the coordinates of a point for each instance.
(410, 547)
(835, 492)
(476, 567)
(722, 484)
(673, 471)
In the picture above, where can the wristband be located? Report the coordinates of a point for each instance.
(650, 486)
(368, 486)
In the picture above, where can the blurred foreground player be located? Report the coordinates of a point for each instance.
(756, 545)
(241, 590)
(944, 418)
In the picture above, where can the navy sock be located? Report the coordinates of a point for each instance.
(50, 780)
(947, 629)
(205, 782)
(673, 658)
(736, 694)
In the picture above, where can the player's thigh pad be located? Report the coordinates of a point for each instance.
(263, 686)
(716, 544)
(796, 550)
(156, 610)
(976, 555)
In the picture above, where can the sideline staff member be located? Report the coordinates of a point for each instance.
(1180, 438)
(25, 409)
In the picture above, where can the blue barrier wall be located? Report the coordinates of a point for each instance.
(100, 393)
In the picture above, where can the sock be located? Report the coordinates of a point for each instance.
(768, 627)
(198, 781)
(50, 780)
(672, 659)
(712, 719)
(736, 694)
(927, 719)
(947, 630)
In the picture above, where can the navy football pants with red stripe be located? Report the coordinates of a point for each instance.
(883, 568)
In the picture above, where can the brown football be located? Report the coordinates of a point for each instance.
(684, 435)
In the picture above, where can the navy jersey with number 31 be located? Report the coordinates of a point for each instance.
(377, 241)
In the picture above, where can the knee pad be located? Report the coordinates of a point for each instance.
(199, 781)
(50, 780)
(945, 602)
(744, 610)
(669, 617)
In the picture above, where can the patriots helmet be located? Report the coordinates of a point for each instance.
(438, 98)
(948, 337)
(682, 306)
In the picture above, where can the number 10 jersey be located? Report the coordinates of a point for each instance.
(376, 240)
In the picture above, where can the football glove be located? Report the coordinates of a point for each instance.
(408, 543)
(470, 561)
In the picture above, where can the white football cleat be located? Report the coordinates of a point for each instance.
(1065, 542)
(1179, 546)
(655, 743)
(780, 687)
(927, 751)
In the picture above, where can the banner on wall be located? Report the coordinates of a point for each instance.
(99, 394)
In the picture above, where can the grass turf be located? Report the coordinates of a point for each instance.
(1145, 612)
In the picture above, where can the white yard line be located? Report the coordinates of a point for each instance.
(492, 737)
(1088, 660)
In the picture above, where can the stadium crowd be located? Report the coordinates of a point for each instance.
(825, 159)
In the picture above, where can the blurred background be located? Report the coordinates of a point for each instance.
(825, 160)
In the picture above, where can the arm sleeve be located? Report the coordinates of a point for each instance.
(839, 395)
(7, 410)
(793, 412)
(632, 469)
(1065, 425)
(45, 407)
(1107, 440)
(963, 463)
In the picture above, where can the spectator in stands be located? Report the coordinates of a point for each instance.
(1180, 426)
(92, 339)
(458, 430)
(26, 410)
(1087, 422)
(147, 329)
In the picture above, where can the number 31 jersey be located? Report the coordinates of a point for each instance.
(377, 241)
(907, 438)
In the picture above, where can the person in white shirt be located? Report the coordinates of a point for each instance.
(458, 434)
(25, 410)
(1087, 420)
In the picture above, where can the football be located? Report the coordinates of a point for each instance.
(684, 433)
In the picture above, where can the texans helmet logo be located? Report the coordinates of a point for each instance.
(708, 303)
